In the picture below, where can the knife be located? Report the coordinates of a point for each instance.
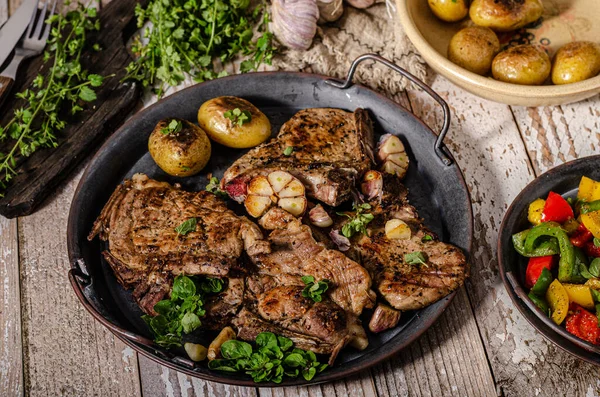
(14, 28)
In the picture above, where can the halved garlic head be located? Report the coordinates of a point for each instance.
(392, 155)
(395, 229)
(279, 187)
(319, 217)
(372, 185)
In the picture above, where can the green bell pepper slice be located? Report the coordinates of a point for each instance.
(539, 302)
(592, 206)
(542, 283)
(544, 246)
(568, 271)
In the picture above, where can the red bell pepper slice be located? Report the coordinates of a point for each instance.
(535, 267)
(556, 209)
(581, 236)
(583, 324)
(591, 249)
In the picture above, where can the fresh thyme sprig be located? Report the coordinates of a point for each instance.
(185, 36)
(67, 86)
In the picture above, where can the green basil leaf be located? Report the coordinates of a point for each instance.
(163, 307)
(266, 339)
(222, 365)
(594, 268)
(310, 373)
(183, 287)
(284, 343)
(415, 258)
(294, 360)
(187, 226)
(236, 349)
(190, 322)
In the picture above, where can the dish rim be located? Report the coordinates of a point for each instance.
(243, 380)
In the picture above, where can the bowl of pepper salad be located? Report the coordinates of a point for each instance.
(549, 256)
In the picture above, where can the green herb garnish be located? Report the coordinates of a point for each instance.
(51, 99)
(180, 313)
(415, 258)
(314, 290)
(185, 37)
(358, 222)
(594, 268)
(211, 285)
(173, 127)
(187, 226)
(269, 360)
(596, 242)
(214, 187)
(426, 238)
(288, 151)
(237, 116)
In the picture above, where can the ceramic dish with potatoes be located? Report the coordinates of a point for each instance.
(519, 52)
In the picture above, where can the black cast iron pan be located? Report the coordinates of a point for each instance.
(436, 186)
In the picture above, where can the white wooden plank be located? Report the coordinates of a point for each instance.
(487, 145)
(3, 11)
(11, 347)
(66, 351)
(557, 134)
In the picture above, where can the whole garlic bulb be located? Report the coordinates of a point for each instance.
(295, 22)
(330, 10)
(361, 3)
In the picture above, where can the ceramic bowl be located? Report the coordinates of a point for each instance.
(563, 21)
(564, 180)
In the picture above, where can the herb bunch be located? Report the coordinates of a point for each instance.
(269, 360)
(67, 86)
(186, 35)
(182, 312)
(358, 222)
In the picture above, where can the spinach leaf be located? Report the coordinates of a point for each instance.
(187, 226)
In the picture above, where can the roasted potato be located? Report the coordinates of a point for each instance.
(234, 122)
(179, 147)
(505, 15)
(474, 49)
(449, 10)
(575, 62)
(524, 64)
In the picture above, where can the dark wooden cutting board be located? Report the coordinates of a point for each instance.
(39, 174)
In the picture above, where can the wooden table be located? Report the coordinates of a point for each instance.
(481, 346)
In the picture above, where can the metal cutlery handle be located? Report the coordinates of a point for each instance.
(440, 149)
(8, 76)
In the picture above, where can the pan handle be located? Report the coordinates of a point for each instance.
(79, 280)
(440, 149)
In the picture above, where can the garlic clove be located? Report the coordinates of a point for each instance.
(279, 179)
(372, 185)
(294, 205)
(293, 189)
(260, 186)
(392, 154)
(257, 205)
(395, 229)
(319, 217)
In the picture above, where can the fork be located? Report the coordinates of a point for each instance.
(32, 44)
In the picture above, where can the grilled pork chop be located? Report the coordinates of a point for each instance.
(407, 286)
(146, 252)
(274, 298)
(331, 149)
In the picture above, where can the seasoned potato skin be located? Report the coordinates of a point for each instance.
(576, 61)
(474, 49)
(449, 10)
(181, 153)
(524, 64)
(224, 131)
(505, 15)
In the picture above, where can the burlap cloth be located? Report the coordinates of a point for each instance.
(337, 44)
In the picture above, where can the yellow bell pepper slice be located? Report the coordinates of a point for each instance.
(589, 190)
(558, 299)
(591, 221)
(580, 294)
(593, 283)
(534, 214)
